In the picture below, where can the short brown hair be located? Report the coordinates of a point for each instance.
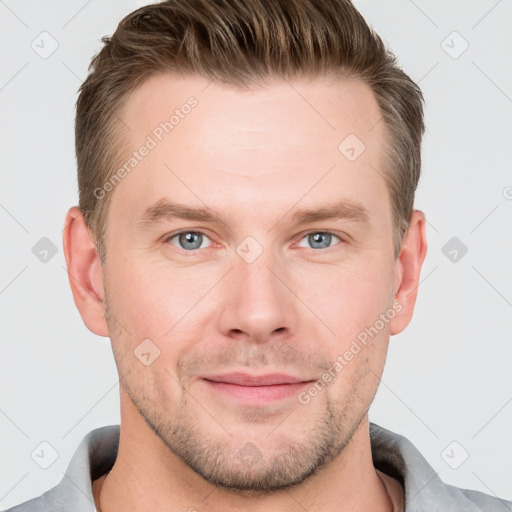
(242, 42)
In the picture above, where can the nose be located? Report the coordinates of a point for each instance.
(258, 305)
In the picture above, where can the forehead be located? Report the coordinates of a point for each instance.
(291, 141)
(249, 117)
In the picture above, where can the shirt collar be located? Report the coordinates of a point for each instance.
(392, 454)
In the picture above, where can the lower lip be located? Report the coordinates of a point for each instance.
(258, 394)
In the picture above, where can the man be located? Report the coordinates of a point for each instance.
(246, 237)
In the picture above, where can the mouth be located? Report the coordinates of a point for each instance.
(256, 389)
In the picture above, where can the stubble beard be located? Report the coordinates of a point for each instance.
(250, 469)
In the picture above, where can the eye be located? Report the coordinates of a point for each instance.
(189, 240)
(319, 239)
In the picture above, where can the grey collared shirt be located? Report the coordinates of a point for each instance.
(392, 454)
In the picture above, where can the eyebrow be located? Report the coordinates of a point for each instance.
(340, 210)
(165, 210)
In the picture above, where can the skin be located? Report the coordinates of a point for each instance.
(256, 156)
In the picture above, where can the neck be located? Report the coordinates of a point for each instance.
(148, 476)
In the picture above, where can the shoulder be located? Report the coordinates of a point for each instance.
(424, 490)
(93, 458)
(50, 501)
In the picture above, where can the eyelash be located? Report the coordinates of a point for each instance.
(192, 252)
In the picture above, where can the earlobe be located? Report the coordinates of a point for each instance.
(407, 271)
(84, 272)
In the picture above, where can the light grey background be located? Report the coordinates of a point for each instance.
(448, 376)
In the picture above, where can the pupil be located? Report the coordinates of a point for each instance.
(190, 238)
(320, 239)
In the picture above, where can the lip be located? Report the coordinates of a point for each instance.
(245, 379)
(256, 389)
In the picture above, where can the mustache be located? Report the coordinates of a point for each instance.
(277, 356)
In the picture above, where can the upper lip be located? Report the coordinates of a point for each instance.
(245, 379)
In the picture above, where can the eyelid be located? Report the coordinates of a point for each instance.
(167, 239)
(341, 236)
(328, 231)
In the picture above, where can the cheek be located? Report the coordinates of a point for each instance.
(159, 302)
(346, 298)
(149, 306)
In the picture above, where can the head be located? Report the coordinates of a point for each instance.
(246, 177)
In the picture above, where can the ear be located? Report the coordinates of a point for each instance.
(84, 272)
(407, 271)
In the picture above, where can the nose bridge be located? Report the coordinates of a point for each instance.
(257, 302)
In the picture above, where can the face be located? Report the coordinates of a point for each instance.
(238, 330)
